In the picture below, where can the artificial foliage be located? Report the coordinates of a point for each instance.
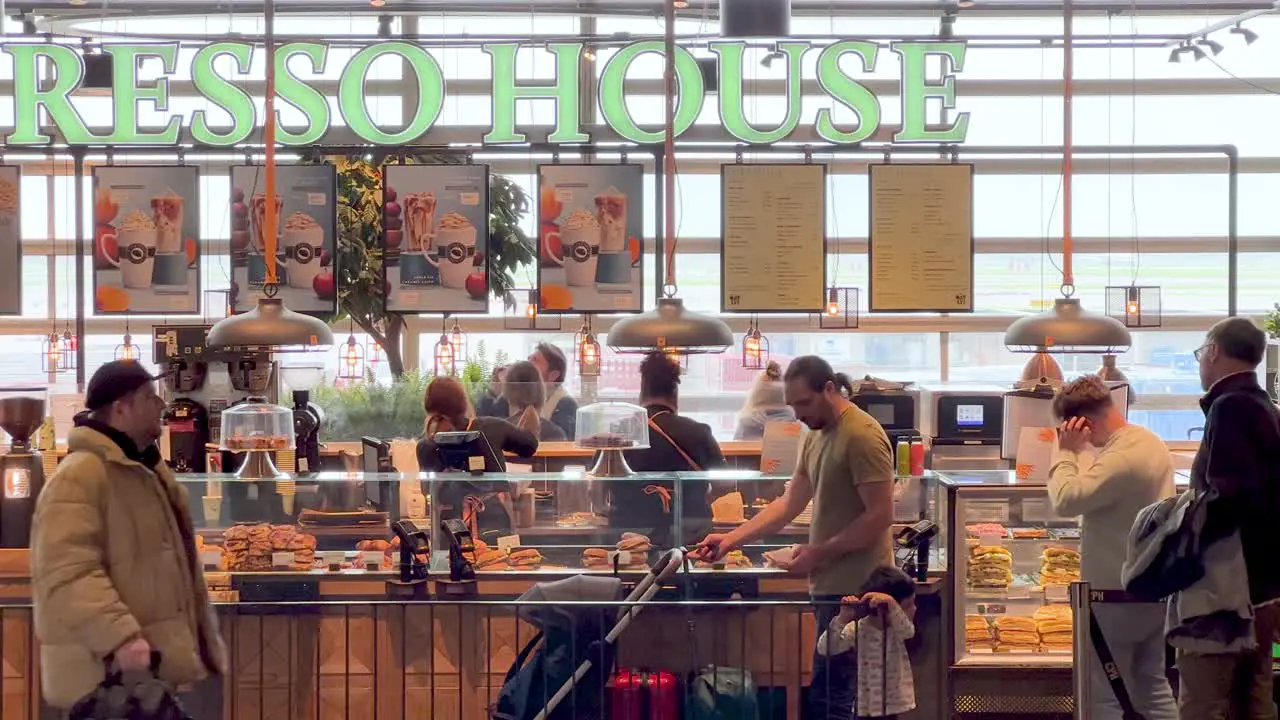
(362, 288)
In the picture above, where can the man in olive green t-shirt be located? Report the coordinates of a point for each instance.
(846, 468)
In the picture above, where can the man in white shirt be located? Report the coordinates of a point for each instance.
(1130, 469)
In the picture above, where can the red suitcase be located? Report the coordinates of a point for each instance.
(643, 695)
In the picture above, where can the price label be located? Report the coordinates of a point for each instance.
(317, 199)
(993, 511)
(1018, 592)
(509, 542)
(620, 557)
(372, 559)
(409, 298)
(119, 197)
(564, 195)
(470, 199)
(1035, 510)
(991, 609)
(210, 558)
(990, 540)
(476, 463)
(1057, 593)
(281, 559)
(333, 557)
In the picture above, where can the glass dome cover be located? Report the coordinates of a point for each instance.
(612, 426)
(257, 425)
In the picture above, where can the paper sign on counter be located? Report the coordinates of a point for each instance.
(1057, 593)
(210, 558)
(371, 559)
(508, 542)
(282, 559)
(334, 557)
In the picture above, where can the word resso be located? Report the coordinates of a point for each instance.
(915, 90)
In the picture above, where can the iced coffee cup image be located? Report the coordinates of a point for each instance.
(135, 239)
(303, 245)
(455, 245)
(615, 257)
(416, 265)
(166, 212)
(579, 238)
(258, 236)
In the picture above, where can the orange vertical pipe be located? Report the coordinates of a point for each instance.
(269, 138)
(1068, 77)
(669, 144)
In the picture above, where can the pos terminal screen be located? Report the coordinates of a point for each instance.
(968, 416)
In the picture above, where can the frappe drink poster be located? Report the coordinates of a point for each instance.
(10, 241)
(304, 230)
(590, 238)
(435, 238)
(146, 246)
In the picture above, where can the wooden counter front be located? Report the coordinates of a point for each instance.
(341, 659)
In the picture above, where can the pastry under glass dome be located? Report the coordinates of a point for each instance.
(610, 428)
(257, 428)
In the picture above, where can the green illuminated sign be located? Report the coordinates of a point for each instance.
(916, 89)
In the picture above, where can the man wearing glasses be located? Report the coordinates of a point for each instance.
(1240, 458)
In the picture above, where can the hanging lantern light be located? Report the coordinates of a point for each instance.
(445, 360)
(833, 303)
(127, 350)
(1135, 306)
(374, 349)
(70, 351)
(587, 348)
(351, 360)
(755, 348)
(53, 354)
(458, 340)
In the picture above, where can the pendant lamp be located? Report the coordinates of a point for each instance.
(270, 324)
(1068, 327)
(670, 326)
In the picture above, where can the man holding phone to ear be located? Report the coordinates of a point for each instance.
(1130, 469)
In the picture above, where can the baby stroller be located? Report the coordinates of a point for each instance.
(577, 650)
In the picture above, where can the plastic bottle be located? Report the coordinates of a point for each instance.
(904, 457)
(917, 457)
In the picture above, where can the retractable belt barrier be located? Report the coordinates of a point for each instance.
(1083, 598)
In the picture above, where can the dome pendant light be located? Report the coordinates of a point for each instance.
(270, 324)
(1067, 328)
(669, 326)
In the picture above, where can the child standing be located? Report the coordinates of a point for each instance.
(878, 625)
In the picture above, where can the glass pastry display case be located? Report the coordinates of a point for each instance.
(1012, 562)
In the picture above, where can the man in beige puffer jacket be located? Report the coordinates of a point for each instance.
(113, 559)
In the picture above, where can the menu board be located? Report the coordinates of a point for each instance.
(921, 238)
(773, 243)
(10, 241)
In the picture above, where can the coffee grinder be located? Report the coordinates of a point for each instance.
(22, 411)
(187, 421)
(308, 418)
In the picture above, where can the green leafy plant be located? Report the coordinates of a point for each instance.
(362, 290)
(373, 409)
(1271, 322)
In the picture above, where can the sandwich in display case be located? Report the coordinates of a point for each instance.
(1013, 562)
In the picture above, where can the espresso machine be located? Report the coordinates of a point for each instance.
(22, 412)
(308, 418)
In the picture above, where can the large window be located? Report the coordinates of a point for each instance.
(1149, 219)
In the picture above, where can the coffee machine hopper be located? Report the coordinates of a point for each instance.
(308, 418)
(22, 411)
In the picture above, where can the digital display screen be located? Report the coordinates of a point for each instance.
(968, 416)
(882, 412)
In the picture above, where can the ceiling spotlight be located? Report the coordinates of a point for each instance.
(769, 58)
(679, 4)
(1176, 55)
(384, 26)
(589, 54)
(1198, 53)
(377, 3)
(1250, 37)
(79, 2)
(28, 26)
(947, 26)
(1214, 46)
(965, 4)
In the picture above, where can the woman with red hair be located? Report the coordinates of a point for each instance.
(486, 505)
